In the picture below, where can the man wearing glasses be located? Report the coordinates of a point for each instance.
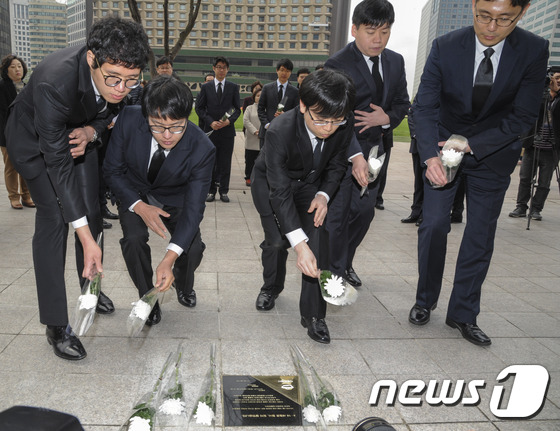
(485, 83)
(298, 170)
(52, 131)
(159, 166)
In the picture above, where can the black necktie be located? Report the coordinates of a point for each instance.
(482, 82)
(219, 91)
(317, 154)
(101, 104)
(157, 160)
(280, 93)
(377, 80)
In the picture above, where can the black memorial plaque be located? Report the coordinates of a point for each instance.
(261, 401)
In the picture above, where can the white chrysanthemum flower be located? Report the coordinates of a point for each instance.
(375, 164)
(172, 406)
(332, 413)
(334, 286)
(87, 301)
(141, 309)
(311, 414)
(280, 107)
(204, 414)
(451, 158)
(139, 424)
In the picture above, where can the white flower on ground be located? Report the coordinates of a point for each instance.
(172, 406)
(332, 413)
(141, 309)
(311, 414)
(334, 286)
(87, 301)
(451, 158)
(204, 414)
(375, 164)
(139, 424)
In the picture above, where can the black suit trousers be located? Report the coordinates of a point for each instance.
(222, 166)
(485, 191)
(275, 246)
(418, 196)
(137, 253)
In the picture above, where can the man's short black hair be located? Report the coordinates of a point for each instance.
(119, 41)
(515, 3)
(220, 59)
(303, 70)
(209, 74)
(167, 97)
(374, 13)
(6, 63)
(331, 94)
(164, 60)
(286, 62)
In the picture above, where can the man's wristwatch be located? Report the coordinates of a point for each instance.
(95, 136)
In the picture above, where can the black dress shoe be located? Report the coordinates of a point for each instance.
(106, 213)
(211, 197)
(224, 198)
(155, 316)
(106, 224)
(316, 329)
(352, 277)
(470, 332)
(65, 345)
(265, 301)
(410, 219)
(104, 304)
(380, 206)
(188, 300)
(419, 221)
(420, 315)
(456, 218)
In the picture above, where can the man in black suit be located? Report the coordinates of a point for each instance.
(485, 83)
(159, 166)
(218, 105)
(52, 130)
(381, 104)
(418, 195)
(299, 168)
(274, 93)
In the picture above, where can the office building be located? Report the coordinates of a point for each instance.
(19, 29)
(47, 29)
(5, 37)
(543, 18)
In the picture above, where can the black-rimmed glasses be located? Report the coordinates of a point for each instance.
(326, 122)
(175, 130)
(500, 22)
(113, 81)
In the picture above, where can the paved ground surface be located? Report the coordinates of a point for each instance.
(371, 340)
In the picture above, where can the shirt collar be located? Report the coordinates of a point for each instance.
(480, 48)
(216, 82)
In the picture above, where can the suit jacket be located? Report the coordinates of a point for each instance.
(58, 98)
(210, 109)
(287, 159)
(395, 101)
(443, 105)
(7, 95)
(184, 177)
(268, 104)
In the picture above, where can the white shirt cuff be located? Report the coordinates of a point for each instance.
(131, 207)
(325, 195)
(296, 236)
(357, 154)
(81, 222)
(175, 248)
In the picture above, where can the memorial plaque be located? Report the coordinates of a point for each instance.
(261, 401)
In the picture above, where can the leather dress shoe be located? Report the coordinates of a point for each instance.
(470, 332)
(106, 213)
(518, 212)
(224, 198)
(410, 219)
(155, 316)
(104, 304)
(380, 206)
(65, 345)
(265, 301)
(535, 215)
(419, 221)
(352, 277)
(420, 315)
(316, 329)
(106, 224)
(456, 218)
(188, 300)
(211, 197)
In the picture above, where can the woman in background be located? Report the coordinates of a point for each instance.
(13, 70)
(252, 124)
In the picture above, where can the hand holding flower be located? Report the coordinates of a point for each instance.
(306, 261)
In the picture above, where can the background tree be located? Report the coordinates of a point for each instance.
(194, 7)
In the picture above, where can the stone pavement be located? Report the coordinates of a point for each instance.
(371, 340)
